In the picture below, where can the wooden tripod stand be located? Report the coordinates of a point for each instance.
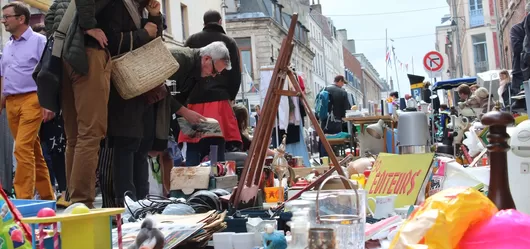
(248, 185)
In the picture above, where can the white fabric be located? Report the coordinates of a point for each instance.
(502, 85)
(283, 109)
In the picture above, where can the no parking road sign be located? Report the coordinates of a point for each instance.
(433, 61)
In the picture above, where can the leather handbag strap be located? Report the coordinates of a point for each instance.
(60, 34)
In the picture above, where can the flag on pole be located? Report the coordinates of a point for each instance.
(387, 59)
(247, 81)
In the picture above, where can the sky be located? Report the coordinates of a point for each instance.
(412, 29)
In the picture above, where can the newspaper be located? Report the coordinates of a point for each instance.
(208, 128)
(174, 233)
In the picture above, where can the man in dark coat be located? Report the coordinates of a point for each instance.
(85, 92)
(211, 96)
(517, 35)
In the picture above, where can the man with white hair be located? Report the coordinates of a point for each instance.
(195, 64)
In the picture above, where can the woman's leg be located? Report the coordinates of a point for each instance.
(141, 167)
(124, 149)
(193, 154)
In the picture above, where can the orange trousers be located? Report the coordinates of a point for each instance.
(25, 117)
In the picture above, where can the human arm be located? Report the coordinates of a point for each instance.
(120, 41)
(49, 19)
(86, 12)
(234, 75)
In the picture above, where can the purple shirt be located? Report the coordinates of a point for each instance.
(18, 60)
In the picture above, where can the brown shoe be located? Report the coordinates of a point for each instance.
(61, 202)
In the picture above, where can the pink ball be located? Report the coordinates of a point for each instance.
(46, 212)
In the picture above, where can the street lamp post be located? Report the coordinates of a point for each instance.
(456, 29)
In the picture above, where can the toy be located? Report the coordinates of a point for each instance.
(81, 209)
(84, 230)
(273, 239)
(149, 237)
(46, 213)
(13, 233)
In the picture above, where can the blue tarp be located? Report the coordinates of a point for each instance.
(453, 83)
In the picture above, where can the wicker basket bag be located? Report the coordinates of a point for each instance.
(138, 71)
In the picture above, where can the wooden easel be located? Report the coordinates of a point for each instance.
(248, 185)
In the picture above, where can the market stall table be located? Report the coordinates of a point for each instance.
(362, 121)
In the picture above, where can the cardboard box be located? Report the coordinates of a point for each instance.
(226, 182)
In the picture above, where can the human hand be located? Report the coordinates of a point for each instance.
(151, 29)
(193, 117)
(99, 35)
(47, 115)
(153, 8)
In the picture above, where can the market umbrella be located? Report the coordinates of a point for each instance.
(453, 83)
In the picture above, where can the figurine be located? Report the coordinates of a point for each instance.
(279, 162)
(273, 239)
(149, 236)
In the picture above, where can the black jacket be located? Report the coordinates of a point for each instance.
(125, 116)
(339, 101)
(224, 86)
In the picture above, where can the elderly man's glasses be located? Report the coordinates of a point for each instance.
(5, 17)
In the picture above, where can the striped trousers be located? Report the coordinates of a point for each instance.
(105, 175)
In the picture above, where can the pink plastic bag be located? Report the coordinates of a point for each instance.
(508, 229)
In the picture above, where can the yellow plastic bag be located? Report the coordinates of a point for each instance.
(443, 219)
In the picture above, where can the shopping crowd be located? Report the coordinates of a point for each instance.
(74, 132)
(59, 150)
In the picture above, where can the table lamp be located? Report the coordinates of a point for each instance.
(376, 130)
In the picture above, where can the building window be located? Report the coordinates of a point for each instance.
(278, 14)
(245, 51)
(167, 15)
(480, 52)
(184, 20)
(476, 13)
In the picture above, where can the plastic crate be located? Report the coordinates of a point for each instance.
(30, 208)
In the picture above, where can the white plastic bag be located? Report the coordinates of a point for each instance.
(155, 185)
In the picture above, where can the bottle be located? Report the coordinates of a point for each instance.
(299, 229)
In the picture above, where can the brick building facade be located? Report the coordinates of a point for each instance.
(510, 13)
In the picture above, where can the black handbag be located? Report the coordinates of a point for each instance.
(49, 71)
(48, 76)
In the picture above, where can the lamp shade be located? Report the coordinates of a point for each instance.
(376, 130)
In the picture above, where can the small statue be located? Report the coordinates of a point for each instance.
(149, 236)
(273, 239)
(280, 164)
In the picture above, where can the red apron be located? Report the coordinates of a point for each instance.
(220, 111)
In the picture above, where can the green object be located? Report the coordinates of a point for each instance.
(155, 168)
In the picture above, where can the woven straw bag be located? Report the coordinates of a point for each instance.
(141, 70)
